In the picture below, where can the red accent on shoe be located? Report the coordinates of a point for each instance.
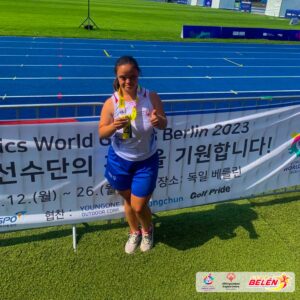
(138, 232)
(150, 229)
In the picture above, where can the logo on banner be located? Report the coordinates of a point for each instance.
(232, 285)
(205, 282)
(249, 282)
(20, 214)
(11, 220)
(272, 283)
(295, 146)
(294, 167)
(209, 279)
(230, 276)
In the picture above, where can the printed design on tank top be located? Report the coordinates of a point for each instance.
(138, 112)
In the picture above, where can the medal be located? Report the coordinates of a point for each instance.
(127, 130)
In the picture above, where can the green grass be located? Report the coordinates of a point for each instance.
(119, 19)
(257, 235)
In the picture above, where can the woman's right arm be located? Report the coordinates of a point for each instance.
(107, 124)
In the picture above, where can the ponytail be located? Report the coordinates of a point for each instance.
(116, 84)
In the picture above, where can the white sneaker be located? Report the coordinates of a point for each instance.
(147, 240)
(133, 242)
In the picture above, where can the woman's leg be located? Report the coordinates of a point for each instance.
(143, 213)
(135, 234)
(130, 214)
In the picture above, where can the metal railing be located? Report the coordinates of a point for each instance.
(84, 109)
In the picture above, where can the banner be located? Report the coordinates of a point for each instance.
(51, 171)
(205, 32)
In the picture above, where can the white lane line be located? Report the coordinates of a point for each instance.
(153, 66)
(133, 49)
(202, 45)
(155, 57)
(153, 77)
(232, 62)
(234, 92)
(161, 93)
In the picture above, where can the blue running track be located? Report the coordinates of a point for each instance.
(56, 70)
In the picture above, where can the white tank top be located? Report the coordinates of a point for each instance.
(142, 144)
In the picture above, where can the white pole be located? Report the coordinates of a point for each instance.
(74, 238)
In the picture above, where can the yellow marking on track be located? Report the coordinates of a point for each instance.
(106, 53)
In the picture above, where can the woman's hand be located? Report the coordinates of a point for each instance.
(157, 117)
(154, 118)
(120, 122)
(107, 124)
(157, 120)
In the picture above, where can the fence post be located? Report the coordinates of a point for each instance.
(74, 238)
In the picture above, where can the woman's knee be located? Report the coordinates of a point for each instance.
(139, 204)
(138, 209)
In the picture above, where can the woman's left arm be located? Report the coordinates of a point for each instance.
(158, 117)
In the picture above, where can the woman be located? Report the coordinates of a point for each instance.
(129, 117)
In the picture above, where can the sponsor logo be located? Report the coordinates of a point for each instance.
(203, 35)
(232, 285)
(273, 283)
(215, 191)
(205, 282)
(294, 167)
(95, 210)
(230, 276)
(295, 146)
(8, 221)
(20, 214)
(239, 33)
(209, 279)
(249, 282)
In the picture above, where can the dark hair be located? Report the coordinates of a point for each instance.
(124, 60)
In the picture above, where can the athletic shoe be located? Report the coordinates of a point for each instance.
(147, 240)
(133, 242)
